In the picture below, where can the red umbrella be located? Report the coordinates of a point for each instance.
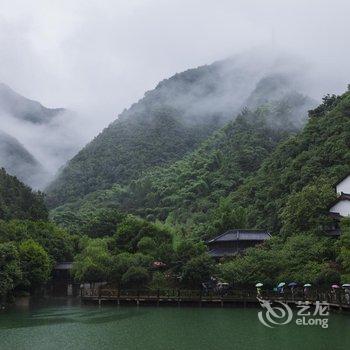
(335, 286)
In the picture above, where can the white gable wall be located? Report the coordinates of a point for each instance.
(344, 186)
(342, 207)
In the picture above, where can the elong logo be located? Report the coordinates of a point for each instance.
(274, 315)
(282, 314)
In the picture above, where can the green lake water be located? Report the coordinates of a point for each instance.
(67, 325)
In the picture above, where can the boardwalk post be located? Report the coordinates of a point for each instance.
(237, 297)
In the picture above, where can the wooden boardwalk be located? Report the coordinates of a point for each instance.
(196, 297)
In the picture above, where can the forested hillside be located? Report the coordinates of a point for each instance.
(17, 201)
(290, 195)
(294, 185)
(186, 191)
(260, 170)
(30, 245)
(123, 151)
(169, 122)
(238, 178)
(251, 173)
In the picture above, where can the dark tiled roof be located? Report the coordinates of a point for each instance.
(342, 197)
(64, 266)
(335, 215)
(242, 235)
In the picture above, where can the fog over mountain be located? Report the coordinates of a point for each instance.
(98, 58)
(180, 113)
(18, 161)
(21, 108)
(34, 140)
(205, 98)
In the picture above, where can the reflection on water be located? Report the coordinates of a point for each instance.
(64, 311)
(65, 324)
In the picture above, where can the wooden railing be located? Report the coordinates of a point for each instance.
(235, 295)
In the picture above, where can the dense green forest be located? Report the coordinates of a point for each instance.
(250, 174)
(290, 195)
(125, 251)
(260, 170)
(170, 122)
(29, 244)
(184, 192)
(293, 187)
(19, 201)
(124, 150)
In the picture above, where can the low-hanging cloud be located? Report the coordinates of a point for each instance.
(102, 56)
(98, 57)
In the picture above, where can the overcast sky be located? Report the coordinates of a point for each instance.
(100, 56)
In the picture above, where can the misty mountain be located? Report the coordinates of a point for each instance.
(19, 162)
(307, 165)
(248, 173)
(186, 190)
(33, 134)
(22, 108)
(271, 87)
(166, 124)
(282, 91)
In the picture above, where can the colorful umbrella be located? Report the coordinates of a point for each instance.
(307, 285)
(335, 286)
(259, 285)
(282, 284)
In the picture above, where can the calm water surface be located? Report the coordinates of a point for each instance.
(67, 325)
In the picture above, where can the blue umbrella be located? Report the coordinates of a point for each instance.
(292, 284)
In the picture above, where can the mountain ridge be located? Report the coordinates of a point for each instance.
(25, 109)
(187, 189)
(18, 161)
(202, 100)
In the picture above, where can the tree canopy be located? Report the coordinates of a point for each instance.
(18, 201)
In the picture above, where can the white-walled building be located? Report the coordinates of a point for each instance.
(341, 206)
(343, 186)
